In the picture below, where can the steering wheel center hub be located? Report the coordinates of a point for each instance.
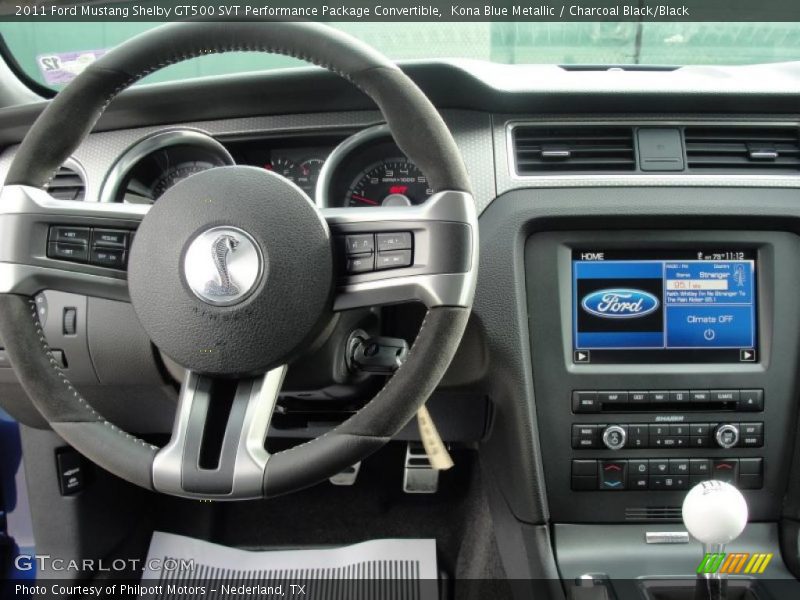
(223, 265)
(231, 271)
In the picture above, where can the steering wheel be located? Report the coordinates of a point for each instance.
(234, 271)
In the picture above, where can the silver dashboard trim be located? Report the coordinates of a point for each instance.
(642, 179)
(339, 153)
(26, 199)
(74, 164)
(666, 537)
(157, 141)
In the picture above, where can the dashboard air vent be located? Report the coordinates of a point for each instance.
(653, 513)
(742, 149)
(541, 150)
(67, 184)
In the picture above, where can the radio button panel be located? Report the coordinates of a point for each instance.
(588, 436)
(595, 401)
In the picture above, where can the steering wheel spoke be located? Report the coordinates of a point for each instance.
(388, 255)
(217, 446)
(65, 245)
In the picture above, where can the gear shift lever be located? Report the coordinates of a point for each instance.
(715, 513)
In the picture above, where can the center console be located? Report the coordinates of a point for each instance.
(671, 358)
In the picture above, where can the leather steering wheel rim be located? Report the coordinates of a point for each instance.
(417, 128)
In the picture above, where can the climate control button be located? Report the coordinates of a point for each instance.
(613, 474)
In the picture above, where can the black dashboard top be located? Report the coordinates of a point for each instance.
(467, 85)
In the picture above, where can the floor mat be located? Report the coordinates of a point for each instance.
(391, 569)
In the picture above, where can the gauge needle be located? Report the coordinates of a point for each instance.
(364, 200)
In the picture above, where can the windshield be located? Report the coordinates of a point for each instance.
(53, 53)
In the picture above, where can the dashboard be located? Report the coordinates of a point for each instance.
(635, 320)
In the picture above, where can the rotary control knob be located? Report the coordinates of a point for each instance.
(614, 437)
(727, 435)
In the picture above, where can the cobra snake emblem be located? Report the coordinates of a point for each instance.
(220, 249)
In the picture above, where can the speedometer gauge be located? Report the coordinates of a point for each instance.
(391, 182)
(154, 164)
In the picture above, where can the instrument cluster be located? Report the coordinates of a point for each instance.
(365, 169)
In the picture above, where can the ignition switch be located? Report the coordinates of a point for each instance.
(380, 355)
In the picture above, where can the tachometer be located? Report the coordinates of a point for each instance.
(390, 182)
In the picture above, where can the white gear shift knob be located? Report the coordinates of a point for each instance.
(714, 512)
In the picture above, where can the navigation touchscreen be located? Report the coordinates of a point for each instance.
(664, 306)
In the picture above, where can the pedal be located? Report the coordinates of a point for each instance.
(348, 476)
(418, 475)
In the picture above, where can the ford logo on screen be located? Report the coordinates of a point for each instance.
(620, 303)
